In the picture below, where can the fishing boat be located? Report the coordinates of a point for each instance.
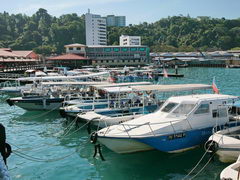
(231, 172)
(182, 123)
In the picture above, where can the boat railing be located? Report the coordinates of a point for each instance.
(226, 126)
(124, 114)
(127, 127)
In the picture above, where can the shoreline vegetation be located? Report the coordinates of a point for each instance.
(47, 34)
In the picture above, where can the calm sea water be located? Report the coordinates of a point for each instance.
(69, 153)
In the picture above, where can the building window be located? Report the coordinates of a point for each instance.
(133, 49)
(70, 48)
(116, 49)
(124, 49)
(141, 49)
(78, 48)
(107, 49)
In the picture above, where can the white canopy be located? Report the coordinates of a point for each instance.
(122, 84)
(62, 77)
(117, 89)
(171, 87)
(89, 83)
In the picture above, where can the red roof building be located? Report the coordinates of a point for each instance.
(17, 60)
(68, 60)
(27, 54)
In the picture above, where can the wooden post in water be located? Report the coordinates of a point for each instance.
(176, 69)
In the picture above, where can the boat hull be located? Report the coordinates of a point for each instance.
(178, 142)
(123, 146)
(38, 104)
(227, 155)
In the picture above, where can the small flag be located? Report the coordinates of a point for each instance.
(165, 74)
(150, 76)
(214, 87)
(111, 79)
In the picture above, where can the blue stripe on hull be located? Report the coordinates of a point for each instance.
(170, 143)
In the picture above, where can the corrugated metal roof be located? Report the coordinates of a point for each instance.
(68, 57)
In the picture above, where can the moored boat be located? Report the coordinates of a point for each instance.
(182, 123)
(225, 143)
(231, 172)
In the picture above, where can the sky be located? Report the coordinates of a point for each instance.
(136, 11)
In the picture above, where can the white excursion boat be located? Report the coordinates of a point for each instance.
(104, 96)
(48, 95)
(225, 143)
(232, 172)
(14, 88)
(182, 123)
(148, 100)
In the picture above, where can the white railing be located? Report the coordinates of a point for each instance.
(129, 127)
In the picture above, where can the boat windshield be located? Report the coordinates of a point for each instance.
(183, 109)
(169, 107)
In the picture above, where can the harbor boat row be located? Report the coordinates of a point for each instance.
(141, 116)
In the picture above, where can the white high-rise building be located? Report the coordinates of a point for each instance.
(96, 33)
(130, 40)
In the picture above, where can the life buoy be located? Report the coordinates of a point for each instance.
(211, 146)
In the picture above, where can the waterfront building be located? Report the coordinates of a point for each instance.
(95, 27)
(18, 60)
(118, 55)
(75, 57)
(78, 55)
(117, 21)
(125, 40)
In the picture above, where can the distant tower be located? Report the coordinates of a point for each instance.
(96, 33)
(118, 21)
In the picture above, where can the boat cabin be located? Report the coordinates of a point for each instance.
(200, 110)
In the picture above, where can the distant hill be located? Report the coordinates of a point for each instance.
(47, 34)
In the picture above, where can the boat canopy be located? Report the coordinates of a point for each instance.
(117, 89)
(171, 87)
(159, 88)
(122, 84)
(89, 83)
(62, 77)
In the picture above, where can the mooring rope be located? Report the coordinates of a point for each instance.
(36, 159)
(66, 135)
(206, 151)
(42, 114)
